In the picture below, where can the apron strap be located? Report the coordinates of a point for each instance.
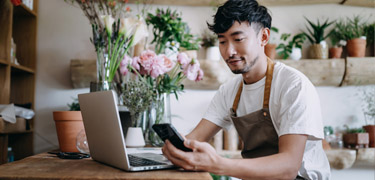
(267, 88)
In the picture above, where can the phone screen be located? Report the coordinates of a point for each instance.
(167, 131)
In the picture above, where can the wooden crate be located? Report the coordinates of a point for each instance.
(6, 127)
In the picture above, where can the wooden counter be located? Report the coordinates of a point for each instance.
(47, 166)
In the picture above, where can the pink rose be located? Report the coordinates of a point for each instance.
(183, 59)
(168, 63)
(191, 70)
(157, 67)
(135, 63)
(200, 75)
(146, 59)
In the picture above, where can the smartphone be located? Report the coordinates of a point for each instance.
(167, 131)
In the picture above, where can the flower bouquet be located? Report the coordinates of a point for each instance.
(162, 76)
(114, 32)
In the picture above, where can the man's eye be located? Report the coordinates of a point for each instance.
(240, 39)
(222, 42)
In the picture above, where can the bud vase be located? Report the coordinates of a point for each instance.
(159, 112)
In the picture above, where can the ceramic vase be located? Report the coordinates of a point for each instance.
(134, 137)
(296, 54)
(213, 53)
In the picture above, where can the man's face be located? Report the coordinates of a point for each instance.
(240, 47)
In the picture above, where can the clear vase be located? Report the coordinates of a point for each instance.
(159, 112)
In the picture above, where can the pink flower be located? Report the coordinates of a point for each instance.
(124, 65)
(135, 63)
(146, 59)
(192, 69)
(200, 75)
(168, 63)
(157, 67)
(183, 59)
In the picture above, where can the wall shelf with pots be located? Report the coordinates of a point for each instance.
(364, 3)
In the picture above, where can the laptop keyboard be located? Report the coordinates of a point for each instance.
(138, 161)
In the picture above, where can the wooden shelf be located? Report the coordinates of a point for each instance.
(3, 62)
(19, 68)
(364, 3)
(23, 10)
(19, 132)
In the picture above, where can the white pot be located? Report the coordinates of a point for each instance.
(296, 54)
(134, 137)
(213, 53)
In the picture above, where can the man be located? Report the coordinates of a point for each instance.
(274, 108)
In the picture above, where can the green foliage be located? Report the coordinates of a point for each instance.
(209, 39)
(167, 26)
(190, 42)
(74, 106)
(316, 34)
(219, 177)
(368, 97)
(351, 28)
(370, 33)
(286, 48)
(328, 130)
(274, 29)
(336, 36)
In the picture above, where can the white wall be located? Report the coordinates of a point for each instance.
(64, 32)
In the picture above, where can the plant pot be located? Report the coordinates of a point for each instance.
(370, 129)
(296, 54)
(356, 140)
(68, 125)
(319, 51)
(270, 50)
(134, 137)
(213, 53)
(335, 52)
(356, 47)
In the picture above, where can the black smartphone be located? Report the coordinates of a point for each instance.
(167, 131)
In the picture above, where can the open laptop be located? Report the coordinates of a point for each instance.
(105, 137)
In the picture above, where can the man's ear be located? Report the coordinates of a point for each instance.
(264, 35)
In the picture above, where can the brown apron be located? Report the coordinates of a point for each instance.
(256, 129)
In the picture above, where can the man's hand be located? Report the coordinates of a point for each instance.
(203, 157)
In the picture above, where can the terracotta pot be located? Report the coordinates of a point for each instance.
(335, 52)
(270, 50)
(356, 140)
(370, 129)
(68, 125)
(319, 51)
(356, 47)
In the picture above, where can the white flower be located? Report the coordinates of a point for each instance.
(127, 25)
(108, 21)
(140, 31)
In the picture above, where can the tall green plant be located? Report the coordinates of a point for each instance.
(286, 48)
(351, 28)
(316, 34)
(167, 26)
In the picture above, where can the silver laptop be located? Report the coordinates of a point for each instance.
(105, 137)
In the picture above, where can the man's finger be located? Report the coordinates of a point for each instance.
(168, 152)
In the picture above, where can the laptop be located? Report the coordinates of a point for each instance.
(105, 137)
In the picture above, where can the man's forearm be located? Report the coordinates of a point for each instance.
(204, 131)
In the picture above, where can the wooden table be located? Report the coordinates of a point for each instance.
(47, 166)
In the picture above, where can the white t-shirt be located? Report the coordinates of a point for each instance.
(294, 108)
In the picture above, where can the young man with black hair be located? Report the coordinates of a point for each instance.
(274, 108)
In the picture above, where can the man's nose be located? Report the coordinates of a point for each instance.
(231, 50)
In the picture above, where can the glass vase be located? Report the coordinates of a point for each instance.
(159, 112)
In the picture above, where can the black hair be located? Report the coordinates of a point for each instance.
(240, 10)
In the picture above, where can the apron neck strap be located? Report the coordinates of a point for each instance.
(267, 87)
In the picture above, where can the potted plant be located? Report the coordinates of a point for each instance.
(292, 48)
(369, 113)
(167, 26)
(355, 36)
(68, 125)
(337, 41)
(209, 41)
(270, 48)
(316, 36)
(355, 138)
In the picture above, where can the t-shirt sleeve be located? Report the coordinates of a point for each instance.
(300, 111)
(218, 112)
